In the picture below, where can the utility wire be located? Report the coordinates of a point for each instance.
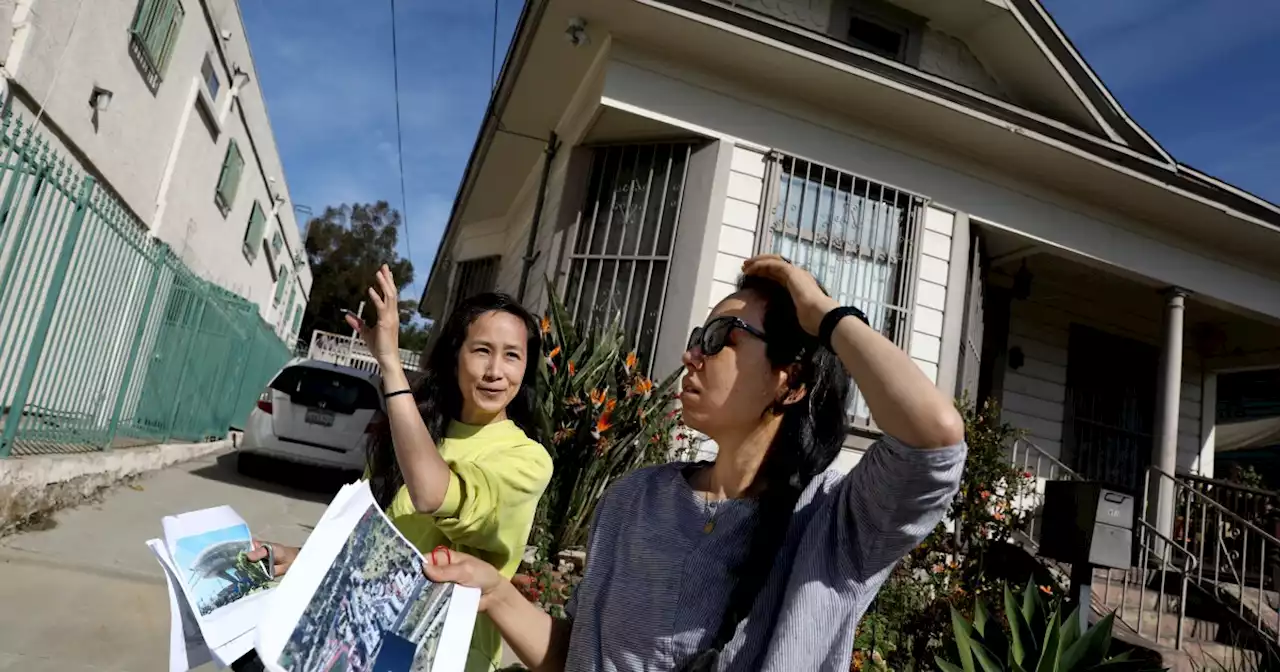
(404, 201)
(493, 49)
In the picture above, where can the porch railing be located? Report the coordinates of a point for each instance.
(1237, 561)
(351, 351)
(1150, 598)
(1256, 505)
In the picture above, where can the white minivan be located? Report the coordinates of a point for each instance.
(315, 413)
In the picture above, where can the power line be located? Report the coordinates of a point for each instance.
(493, 49)
(404, 201)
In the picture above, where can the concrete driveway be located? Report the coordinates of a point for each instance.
(85, 594)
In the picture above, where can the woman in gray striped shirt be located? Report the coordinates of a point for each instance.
(764, 559)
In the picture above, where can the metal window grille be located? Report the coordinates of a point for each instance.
(154, 33)
(621, 258)
(474, 276)
(859, 238)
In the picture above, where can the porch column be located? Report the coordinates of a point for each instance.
(1168, 396)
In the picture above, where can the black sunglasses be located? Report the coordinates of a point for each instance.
(714, 335)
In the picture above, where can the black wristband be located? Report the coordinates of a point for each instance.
(397, 392)
(833, 318)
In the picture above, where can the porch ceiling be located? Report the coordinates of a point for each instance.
(1215, 328)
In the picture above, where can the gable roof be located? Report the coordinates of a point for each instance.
(1058, 47)
(1095, 124)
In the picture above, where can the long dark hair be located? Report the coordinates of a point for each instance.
(808, 441)
(437, 393)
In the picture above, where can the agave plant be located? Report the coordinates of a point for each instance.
(602, 416)
(1038, 640)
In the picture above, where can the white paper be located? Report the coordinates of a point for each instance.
(224, 591)
(356, 595)
(187, 649)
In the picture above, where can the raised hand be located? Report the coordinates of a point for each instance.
(812, 304)
(383, 336)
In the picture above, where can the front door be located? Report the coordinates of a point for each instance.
(1109, 415)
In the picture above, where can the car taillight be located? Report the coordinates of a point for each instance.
(264, 405)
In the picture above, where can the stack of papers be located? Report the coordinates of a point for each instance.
(215, 594)
(355, 598)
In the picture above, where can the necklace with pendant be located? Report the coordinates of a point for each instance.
(711, 517)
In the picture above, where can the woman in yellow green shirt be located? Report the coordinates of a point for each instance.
(454, 464)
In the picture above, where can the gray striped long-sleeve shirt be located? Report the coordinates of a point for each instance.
(658, 575)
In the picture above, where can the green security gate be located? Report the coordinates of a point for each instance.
(106, 337)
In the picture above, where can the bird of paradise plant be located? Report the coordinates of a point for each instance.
(603, 416)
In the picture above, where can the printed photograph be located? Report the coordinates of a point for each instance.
(373, 610)
(215, 567)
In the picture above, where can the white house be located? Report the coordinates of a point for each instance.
(158, 99)
(953, 167)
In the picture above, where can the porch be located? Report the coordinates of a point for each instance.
(1115, 377)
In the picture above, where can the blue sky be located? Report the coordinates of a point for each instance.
(1201, 78)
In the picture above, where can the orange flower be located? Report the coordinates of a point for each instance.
(554, 351)
(643, 386)
(573, 370)
(630, 364)
(546, 325)
(602, 424)
(1046, 590)
(610, 405)
(598, 397)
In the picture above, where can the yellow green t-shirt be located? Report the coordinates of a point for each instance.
(498, 476)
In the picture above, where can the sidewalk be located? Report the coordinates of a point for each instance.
(85, 595)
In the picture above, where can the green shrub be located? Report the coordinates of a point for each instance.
(910, 621)
(603, 417)
(1038, 638)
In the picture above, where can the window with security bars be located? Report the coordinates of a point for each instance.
(857, 237)
(621, 257)
(154, 32)
(474, 276)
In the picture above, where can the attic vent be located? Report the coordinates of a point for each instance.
(872, 36)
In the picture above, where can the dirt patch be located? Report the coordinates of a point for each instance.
(28, 509)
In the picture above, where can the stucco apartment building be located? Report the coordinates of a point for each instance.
(159, 100)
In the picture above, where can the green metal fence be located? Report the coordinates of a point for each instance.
(106, 338)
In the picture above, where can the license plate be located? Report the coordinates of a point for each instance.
(319, 417)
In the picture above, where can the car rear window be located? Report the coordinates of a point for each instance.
(335, 391)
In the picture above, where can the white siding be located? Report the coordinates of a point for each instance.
(925, 345)
(1035, 393)
(738, 226)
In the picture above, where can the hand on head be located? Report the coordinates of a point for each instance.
(812, 304)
